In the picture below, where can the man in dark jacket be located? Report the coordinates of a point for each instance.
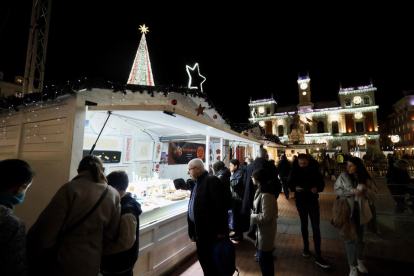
(122, 253)
(305, 179)
(284, 169)
(207, 214)
(261, 162)
(237, 192)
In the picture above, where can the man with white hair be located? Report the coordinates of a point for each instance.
(207, 214)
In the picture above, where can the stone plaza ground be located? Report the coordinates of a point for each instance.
(289, 246)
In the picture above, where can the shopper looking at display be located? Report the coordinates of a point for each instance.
(207, 214)
(16, 178)
(121, 254)
(69, 236)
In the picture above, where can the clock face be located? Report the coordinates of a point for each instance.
(303, 85)
(98, 120)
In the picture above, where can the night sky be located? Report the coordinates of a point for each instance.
(242, 50)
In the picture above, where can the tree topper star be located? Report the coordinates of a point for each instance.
(143, 29)
(189, 75)
(200, 110)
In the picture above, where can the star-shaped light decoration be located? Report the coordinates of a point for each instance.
(143, 29)
(200, 110)
(189, 76)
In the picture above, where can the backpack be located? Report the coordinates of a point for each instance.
(225, 257)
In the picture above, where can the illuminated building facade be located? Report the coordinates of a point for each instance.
(397, 132)
(350, 125)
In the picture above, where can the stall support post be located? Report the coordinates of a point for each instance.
(207, 154)
(222, 151)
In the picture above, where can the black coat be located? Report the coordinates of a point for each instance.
(284, 168)
(306, 178)
(237, 185)
(210, 209)
(395, 178)
(224, 176)
(250, 188)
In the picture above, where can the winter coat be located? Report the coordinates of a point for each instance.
(224, 176)
(265, 216)
(81, 250)
(13, 259)
(210, 209)
(237, 185)
(250, 188)
(344, 187)
(123, 251)
(306, 178)
(341, 219)
(396, 178)
(284, 168)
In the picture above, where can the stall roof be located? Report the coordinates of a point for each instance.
(171, 123)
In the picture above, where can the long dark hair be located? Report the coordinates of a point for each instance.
(361, 171)
(93, 164)
(262, 176)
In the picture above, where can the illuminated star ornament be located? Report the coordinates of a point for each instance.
(200, 110)
(143, 29)
(189, 76)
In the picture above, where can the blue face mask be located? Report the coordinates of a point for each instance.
(10, 200)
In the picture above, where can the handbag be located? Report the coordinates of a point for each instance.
(43, 262)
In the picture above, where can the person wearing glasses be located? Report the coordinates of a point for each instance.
(207, 214)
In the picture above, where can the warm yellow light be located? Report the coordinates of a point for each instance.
(349, 130)
(262, 123)
(370, 129)
(143, 29)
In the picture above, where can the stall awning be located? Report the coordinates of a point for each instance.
(172, 123)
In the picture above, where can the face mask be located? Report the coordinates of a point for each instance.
(19, 198)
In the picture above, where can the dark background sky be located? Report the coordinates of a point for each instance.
(243, 50)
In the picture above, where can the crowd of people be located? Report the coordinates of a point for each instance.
(91, 224)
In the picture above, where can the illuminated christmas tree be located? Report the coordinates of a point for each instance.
(141, 73)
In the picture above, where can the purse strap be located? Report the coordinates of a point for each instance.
(61, 235)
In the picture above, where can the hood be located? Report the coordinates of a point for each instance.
(127, 199)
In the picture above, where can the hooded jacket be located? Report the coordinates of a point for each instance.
(126, 245)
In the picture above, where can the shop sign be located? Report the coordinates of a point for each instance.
(395, 138)
(183, 152)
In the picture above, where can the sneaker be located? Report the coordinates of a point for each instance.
(361, 267)
(255, 257)
(321, 262)
(353, 271)
(306, 253)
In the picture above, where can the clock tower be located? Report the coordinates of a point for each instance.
(304, 94)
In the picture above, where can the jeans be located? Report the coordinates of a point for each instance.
(355, 248)
(313, 212)
(265, 260)
(285, 186)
